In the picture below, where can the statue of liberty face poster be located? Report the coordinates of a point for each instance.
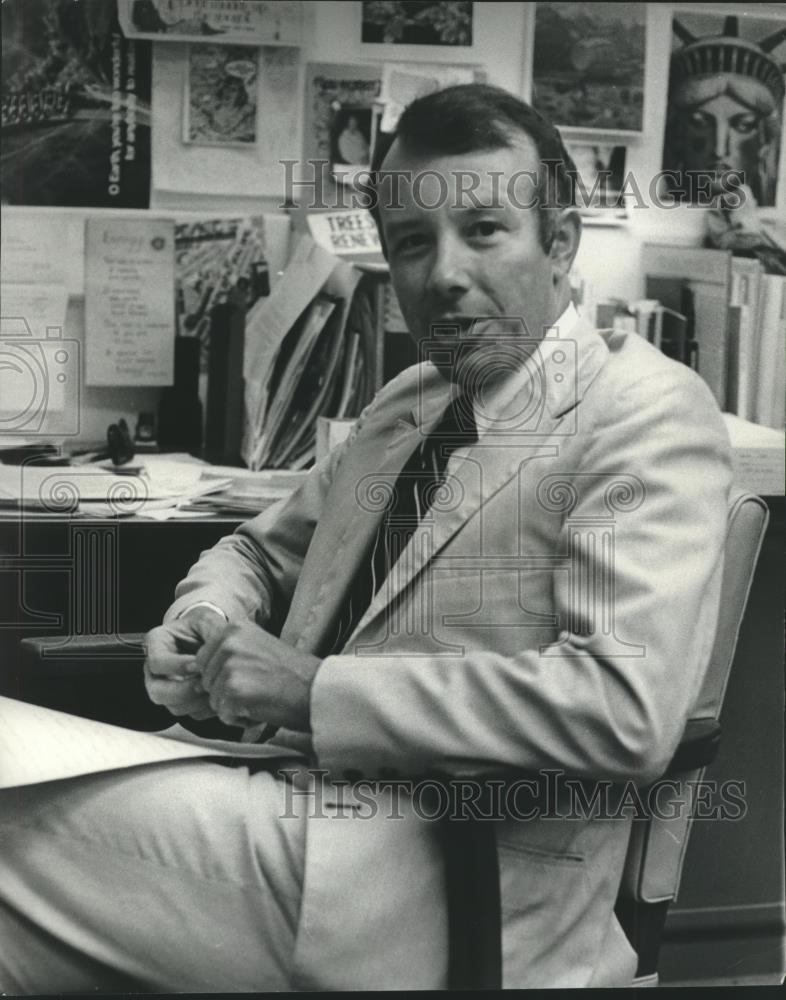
(75, 107)
(725, 104)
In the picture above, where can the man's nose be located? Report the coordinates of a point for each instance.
(449, 276)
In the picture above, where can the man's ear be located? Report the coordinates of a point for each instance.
(565, 244)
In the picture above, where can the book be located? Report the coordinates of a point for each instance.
(704, 276)
(746, 273)
(770, 405)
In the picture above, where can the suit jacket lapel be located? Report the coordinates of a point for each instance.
(564, 377)
(376, 463)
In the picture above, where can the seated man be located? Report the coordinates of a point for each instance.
(514, 561)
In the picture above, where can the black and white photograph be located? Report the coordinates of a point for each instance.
(75, 107)
(392, 504)
(350, 140)
(725, 104)
(221, 95)
(337, 118)
(588, 64)
(600, 181)
(417, 22)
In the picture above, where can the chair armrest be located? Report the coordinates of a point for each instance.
(82, 654)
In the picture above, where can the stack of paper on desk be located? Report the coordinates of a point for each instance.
(248, 493)
(95, 491)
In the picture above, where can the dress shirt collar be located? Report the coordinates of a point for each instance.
(495, 403)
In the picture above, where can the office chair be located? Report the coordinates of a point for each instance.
(656, 850)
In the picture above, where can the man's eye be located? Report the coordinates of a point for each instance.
(414, 241)
(485, 229)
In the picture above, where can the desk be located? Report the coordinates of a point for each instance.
(64, 577)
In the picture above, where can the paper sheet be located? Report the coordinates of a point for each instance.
(39, 744)
(60, 489)
(39, 366)
(270, 320)
(31, 249)
(129, 295)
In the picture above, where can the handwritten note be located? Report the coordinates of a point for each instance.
(129, 302)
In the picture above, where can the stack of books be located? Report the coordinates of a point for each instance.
(735, 316)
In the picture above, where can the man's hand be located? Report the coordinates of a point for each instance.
(251, 676)
(171, 675)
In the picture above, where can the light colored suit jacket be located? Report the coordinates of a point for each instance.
(555, 611)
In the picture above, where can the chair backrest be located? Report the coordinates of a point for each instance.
(657, 846)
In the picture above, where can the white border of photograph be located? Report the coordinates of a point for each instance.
(391, 52)
(576, 133)
(773, 215)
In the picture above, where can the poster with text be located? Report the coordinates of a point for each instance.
(75, 106)
(226, 22)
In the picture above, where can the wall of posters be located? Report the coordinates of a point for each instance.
(75, 107)
(588, 65)
(725, 101)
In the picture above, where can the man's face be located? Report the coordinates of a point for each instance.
(471, 255)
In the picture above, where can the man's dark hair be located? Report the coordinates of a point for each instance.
(475, 117)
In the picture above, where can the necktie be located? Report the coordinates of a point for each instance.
(414, 493)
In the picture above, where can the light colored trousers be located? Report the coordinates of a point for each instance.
(176, 877)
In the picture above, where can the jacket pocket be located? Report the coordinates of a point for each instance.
(549, 926)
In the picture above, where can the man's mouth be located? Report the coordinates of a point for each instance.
(452, 326)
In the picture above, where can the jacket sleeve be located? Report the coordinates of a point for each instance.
(252, 573)
(574, 705)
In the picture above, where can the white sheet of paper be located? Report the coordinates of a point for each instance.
(270, 319)
(39, 744)
(31, 249)
(60, 488)
(40, 366)
(346, 231)
(129, 301)
(757, 456)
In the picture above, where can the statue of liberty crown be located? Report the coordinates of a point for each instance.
(727, 53)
